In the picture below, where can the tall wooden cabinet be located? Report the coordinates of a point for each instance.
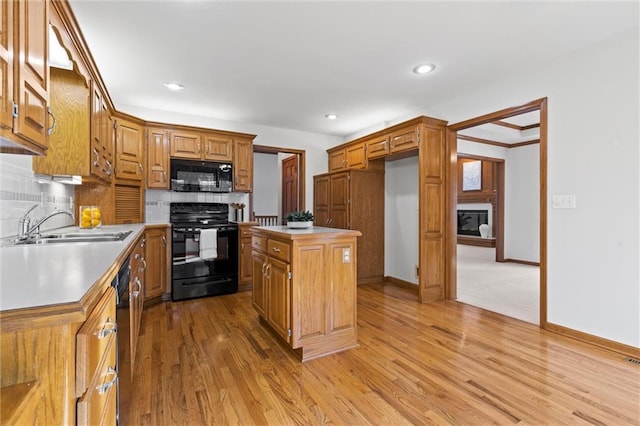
(354, 199)
(305, 287)
(157, 158)
(129, 150)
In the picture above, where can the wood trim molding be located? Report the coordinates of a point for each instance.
(397, 282)
(499, 115)
(601, 342)
(521, 262)
(516, 126)
(496, 143)
(484, 141)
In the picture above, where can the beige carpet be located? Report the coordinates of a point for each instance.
(507, 288)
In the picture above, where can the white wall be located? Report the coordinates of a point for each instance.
(593, 277)
(522, 204)
(266, 184)
(401, 219)
(314, 144)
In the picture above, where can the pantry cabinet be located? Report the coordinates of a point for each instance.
(25, 117)
(305, 287)
(354, 199)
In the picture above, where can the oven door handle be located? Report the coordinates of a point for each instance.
(220, 281)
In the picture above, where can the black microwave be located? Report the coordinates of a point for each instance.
(201, 176)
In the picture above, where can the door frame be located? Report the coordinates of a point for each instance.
(263, 149)
(452, 143)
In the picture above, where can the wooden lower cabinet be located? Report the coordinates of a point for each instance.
(304, 287)
(59, 365)
(156, 255)
(245, 259)
(136, 295)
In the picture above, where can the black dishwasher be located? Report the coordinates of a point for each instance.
(121, 284)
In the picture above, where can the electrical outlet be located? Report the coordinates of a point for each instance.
(346, 255)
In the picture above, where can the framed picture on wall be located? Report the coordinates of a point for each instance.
(472, 176)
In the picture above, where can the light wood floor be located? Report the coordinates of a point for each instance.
(211, 362)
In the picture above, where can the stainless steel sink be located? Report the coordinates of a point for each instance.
(76, 237)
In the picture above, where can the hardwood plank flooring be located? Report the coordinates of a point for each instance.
(211, 362)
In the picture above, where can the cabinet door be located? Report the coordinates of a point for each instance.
(218, 148)
(246, 263)
(259, 295)
(377, 147)
(157, 158)
(186, 145)
(279, 298)
(6, 64)
(356, 156)
(242, 165)
(337, 160)
(155, 254)
(321, 199)
(339, 209)
(101, 147)
(404, 139)
(32, 71)
(128, 151)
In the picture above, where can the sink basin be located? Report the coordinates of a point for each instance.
(76, 237)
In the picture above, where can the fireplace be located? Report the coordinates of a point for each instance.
(470, 220)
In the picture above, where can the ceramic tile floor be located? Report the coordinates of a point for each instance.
(507, 288)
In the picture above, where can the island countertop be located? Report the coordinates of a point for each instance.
(311, 232)
(53, 274)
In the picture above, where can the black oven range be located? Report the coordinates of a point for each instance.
(204, 250)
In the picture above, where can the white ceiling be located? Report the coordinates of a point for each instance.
(287, 64)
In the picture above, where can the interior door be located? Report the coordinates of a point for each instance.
(290, 201)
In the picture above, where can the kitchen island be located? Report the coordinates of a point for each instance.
(304, 287)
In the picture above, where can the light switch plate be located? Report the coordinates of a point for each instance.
(563, 201)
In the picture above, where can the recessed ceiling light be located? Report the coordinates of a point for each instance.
(331, 116)
(424, 69)
(174, 86)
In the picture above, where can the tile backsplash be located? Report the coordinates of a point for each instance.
(20, 189)
(157, 202)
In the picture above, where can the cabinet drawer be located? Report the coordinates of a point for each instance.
(245, 233)
(93, 340)
(279, 250)
(99, 403)
(259, 243)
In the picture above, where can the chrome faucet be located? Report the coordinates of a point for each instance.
(26, 230)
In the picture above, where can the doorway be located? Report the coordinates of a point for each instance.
(283, 184)
(459, 132)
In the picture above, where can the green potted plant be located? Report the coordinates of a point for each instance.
(301, 219)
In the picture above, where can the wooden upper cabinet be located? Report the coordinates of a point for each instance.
(404, 139)
(242, 165)
(24, 61)
(337, 160)
(6, 64)
(129, 150)
(218, 148)
(186, 145)
(349, 157)
(157, 158)
(102, 163)
(377, 147)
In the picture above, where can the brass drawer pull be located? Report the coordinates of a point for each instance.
(276, 249)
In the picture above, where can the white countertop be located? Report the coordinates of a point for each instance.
(312, 230)
(49, 274)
